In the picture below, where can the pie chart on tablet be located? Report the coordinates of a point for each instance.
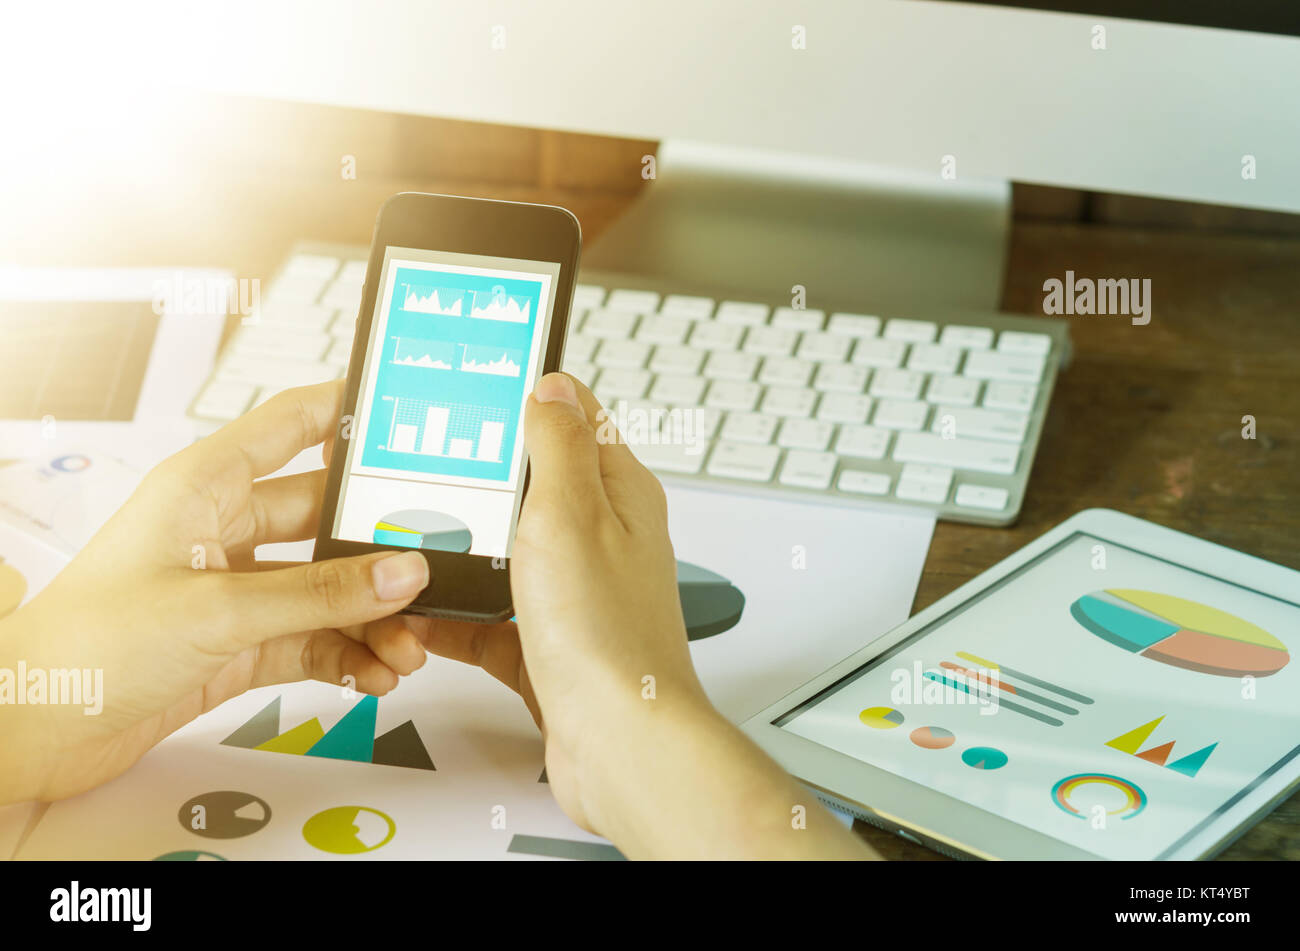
(1180, 633)
(416, 528)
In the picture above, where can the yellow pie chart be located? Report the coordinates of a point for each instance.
(349, 830)
(881, 718)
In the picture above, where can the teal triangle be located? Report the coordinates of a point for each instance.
(353, 737)
(262, 726)
(1191, 765)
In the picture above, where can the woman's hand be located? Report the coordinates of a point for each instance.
(634, 749)
(168, 603)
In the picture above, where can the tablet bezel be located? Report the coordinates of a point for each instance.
(951, 825)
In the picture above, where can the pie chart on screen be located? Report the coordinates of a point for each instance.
(416, 528)
(1180, 633)
(710, 603)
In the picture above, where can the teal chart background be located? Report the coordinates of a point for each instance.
(453, 364)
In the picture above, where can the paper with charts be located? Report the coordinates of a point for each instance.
(450, 764)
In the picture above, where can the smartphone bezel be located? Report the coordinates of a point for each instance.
(461, 586)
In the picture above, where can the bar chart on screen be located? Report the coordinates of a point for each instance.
(450, 430)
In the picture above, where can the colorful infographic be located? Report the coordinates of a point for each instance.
(1135, 800)
(349, 830)
(224, 814)
(352, 738)
(415, 528)
(450, 380)
(1131, 742)
(710, 603)
(1180, 633)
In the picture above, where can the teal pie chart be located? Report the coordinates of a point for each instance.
(416, 528)
(710, 603)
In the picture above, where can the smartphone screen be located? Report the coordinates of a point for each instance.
(435, 458)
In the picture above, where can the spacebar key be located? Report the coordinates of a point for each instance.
(733, 460)
(979, 455)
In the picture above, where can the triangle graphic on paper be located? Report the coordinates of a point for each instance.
(297, 741)
(262, 726)
(1130, 741)
(1157, 754)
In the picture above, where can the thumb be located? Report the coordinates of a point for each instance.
(563, 457)
(334, 593)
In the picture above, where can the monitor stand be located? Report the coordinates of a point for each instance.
(854, 236)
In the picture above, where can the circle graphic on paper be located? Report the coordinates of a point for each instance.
(189, 855)
(984, 757)
(932, 737)
(710, 603)
(73, 463)
(225, 814)
(1134, 799)
(1180, 633)
(881, 718)
(349, 830)
(416, 528)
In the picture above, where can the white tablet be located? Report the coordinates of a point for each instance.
(1115, 690)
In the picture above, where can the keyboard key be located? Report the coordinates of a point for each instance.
(624, 354)
(841, 378)
(1003, 425)
(728, 365)
(342, 296)
(1014, 396)
(587, 296)
(711, 335)
(978, 455)
(809, 470)
(670, 358)
(677, 389)
(968, 338)
(789, 401)
(224, 400)
(862, 442)
(693, 424)
(863, 483)
(901, 414)
(750, 427)
(682, 305)
(897, 384)
(741, 312)
(260, 370)
(785, 371)
(260, 339)
(771, 341)
(910, 331)
(609, 324)
(638, 302)
(322, 266)
(671, 457)
(981, 497)
(581, 370)
(580, 347)
(1008, 367)
(663, 328)
(805, 434)
(844, 407)
(794, 319)
(622, 383)
(953, 390)
(822, 346)
(1016, 341)
(933, 358)
(302, 316)
(914, 491)
(339, 353)
(854, 325)
(728, 394)
(732, 460)
(874, 352)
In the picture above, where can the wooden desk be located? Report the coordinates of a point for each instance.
(1147, 420)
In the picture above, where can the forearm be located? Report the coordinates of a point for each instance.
(21, 748)
(696, 787)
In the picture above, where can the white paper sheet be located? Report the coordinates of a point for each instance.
(859, 574)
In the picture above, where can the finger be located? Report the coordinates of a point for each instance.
(286, 509)
(273, 433)
(333, 594)
(394, 643)
(494, 647)
(564, 459)
(323, 655)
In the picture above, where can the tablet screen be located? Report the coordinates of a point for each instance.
(1109, 699)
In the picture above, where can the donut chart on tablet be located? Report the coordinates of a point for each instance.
(1180, 633)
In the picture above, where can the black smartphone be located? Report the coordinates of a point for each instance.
(465, 307)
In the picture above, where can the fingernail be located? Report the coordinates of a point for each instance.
(399, 576)
(556, 387)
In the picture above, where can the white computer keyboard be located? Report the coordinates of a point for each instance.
(941, 413)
